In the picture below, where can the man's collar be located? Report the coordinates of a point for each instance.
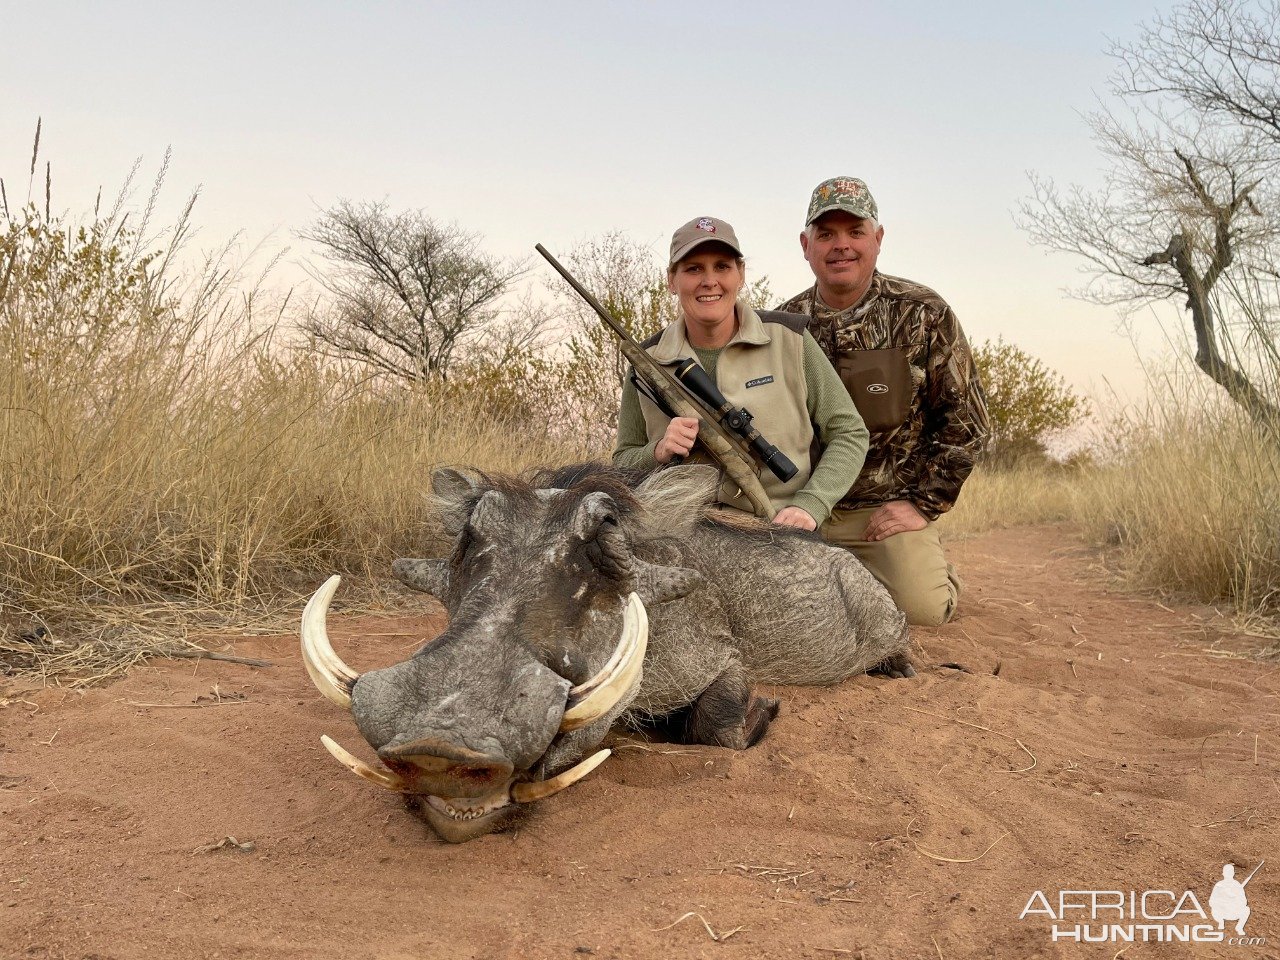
(873, 291)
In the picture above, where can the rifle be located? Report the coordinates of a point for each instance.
(723, 446)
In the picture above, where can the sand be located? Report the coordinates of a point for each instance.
(1096, 740)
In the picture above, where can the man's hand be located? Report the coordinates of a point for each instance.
(896, 516)
(678, 440)
(795, 517)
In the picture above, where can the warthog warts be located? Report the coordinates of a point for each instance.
(585, 596)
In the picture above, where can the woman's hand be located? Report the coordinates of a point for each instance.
(795, 517)
(678, 440)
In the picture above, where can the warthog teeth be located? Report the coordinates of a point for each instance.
(332, 677)
(590, 701)
(529, 792)
(383, 778)
(443, 806)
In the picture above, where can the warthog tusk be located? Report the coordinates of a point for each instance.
(331, 676)
(590, 701)
(529, 792)
(383, 778)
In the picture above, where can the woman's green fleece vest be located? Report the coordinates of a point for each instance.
(760, 368)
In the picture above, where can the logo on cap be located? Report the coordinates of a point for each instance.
(706, 224)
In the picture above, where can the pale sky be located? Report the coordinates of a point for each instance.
(555, 122)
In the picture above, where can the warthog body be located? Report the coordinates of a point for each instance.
(535, 589)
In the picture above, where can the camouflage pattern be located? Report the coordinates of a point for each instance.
(842, 193)
(927, 458)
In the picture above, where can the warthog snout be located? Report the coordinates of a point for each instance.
(462, 760)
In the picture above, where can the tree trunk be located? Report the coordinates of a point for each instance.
(1262, 411)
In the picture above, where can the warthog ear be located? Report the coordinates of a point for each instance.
(674, 498)
(455, 495)
(657, 584)
(429, 576)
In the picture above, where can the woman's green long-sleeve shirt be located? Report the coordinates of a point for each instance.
(836, 421)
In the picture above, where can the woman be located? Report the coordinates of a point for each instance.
(766, 362)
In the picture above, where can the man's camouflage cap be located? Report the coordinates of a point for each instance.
(698, 231)
(842, 193)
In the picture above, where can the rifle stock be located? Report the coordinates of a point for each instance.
(714, 438)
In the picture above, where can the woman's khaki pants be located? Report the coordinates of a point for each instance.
(910, 565)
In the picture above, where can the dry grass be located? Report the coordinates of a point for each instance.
(168, 468)
(1023, 493)
(1184, 494)
(166, 486)
(1193, 509)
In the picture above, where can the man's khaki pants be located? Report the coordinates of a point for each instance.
(910, 565)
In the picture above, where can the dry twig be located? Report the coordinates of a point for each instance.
(1247, 813)
(201, 654)
(965, 723)
(186, 706)
(226, 842)
(934, 856)
(717, 937)
(1034, 761)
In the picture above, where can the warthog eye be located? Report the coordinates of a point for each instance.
(464, 544)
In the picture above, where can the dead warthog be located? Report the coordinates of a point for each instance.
(545, 577)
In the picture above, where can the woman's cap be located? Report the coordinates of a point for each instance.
(699, 231)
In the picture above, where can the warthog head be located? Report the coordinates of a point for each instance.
(544, 649)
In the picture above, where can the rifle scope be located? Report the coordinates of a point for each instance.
(737, 419)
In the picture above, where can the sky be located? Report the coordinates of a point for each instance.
(558, 121)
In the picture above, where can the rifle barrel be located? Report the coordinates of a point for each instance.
(582, 291)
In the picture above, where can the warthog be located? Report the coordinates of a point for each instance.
(530, 674)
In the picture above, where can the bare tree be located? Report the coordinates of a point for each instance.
(625, 276)
(1219, 57)
(1188, 208)
(407, 295)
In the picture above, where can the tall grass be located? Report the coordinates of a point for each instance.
(1023, 492)
(220, 482)
(1192, 504)
(1183, 492)
(204, 479)
(165, 462)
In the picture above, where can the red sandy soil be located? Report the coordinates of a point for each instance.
(1110, 752)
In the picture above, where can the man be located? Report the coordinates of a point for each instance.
(901, 354)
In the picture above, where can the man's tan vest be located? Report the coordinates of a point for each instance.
(760, 368)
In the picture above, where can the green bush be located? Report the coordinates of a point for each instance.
(1027, 402)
